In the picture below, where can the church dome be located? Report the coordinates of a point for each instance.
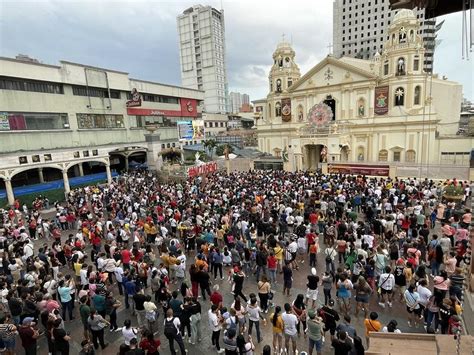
(404, 14)
(284, 45)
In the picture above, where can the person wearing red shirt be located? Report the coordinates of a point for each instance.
(272, 264)
(310, 238)
(149, 344)
(126, 257)
(216, 297)
(313, 219)
(96, 241)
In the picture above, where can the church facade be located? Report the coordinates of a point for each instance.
(373, 114)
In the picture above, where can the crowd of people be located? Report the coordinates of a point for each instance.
(166, 251)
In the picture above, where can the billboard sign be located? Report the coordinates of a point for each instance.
(359, 169)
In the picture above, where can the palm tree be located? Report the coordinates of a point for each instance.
(210, 145)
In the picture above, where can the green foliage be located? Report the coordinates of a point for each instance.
(220, 149)
(209, 145)
(452, 190)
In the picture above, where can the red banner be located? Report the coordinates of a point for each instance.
(359, 169)
(188, 109)
(381, 100)
(202, 169)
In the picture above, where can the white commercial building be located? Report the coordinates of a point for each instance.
(201, 33)
(360, 29)
(70, 118)
(237, 100)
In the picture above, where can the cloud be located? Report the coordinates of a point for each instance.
(140, 37)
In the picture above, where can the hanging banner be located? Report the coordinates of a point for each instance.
(381, 100)
(359, 169)
(4, 124)
(202, 169)
(286, 110)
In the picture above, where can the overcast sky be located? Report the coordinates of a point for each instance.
(140, 37)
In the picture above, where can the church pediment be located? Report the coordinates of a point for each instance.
(332, 71)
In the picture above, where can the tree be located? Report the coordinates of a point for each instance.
(220, 149)
(209, 145)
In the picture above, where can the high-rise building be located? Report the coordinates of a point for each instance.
(202, 55)
(359, 29)
(237, 101)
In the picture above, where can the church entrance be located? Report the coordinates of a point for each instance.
(313, 155)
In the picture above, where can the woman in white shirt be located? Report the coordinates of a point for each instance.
(391, 327)
(412, 300)
(129, 332)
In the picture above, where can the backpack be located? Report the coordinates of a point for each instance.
(170, 329)
(151, 316)
(232, 325)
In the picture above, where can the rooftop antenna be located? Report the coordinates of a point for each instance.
(222, 7)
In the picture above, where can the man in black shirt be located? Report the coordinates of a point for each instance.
(342, 345)
(330, 317)
(203, 278)
(139, 299)
(312, 288)
(61, 338)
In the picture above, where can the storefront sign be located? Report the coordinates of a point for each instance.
(359, 169)
(188, 108)
(286, 110)
(381, 100)
(136, 99)
(202, 169)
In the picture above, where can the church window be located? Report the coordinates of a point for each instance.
(269, 110)
(410, 156)
(416, 64)
(290, 82)
(397, 156)
(385, 68)
(277, 109)
(360, 154)
(417, 96)
(399, 96)
(383, 155)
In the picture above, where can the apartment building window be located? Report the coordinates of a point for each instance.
(78, 90)
(32, 121)
(93, 121)
(7, 83)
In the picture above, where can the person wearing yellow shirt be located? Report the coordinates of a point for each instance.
(77, 270)
(278, 250)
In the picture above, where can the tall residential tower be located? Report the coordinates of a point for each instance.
(360, 29)
(202, 55)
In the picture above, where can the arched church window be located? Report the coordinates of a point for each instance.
(271, 86)
(399, 96)
(278, 85)
(287, 62)
(280, 62)
(332, 104)
(278, 109)
(385, 68)
(410, 156)
(290, 82)
(412, 36)
(393, 39)
(402, 35)
(383, 155)
(417, 95)
(269, 110)
(401, 66)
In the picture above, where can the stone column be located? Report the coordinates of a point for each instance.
(153, 156)
(67, 188)
(81, 171)
(10, 196)
(40, 175)
(126, 162)
(109, 174)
